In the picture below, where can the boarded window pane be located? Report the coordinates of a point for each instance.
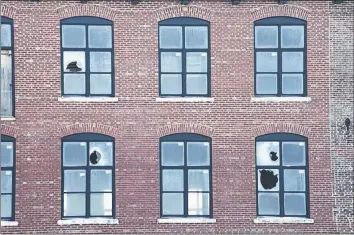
(293, 61)
(101, 84)
(267, 62)
(74, 154)
(172, 180)
(294, 154)
(171, 84)
(74, 204)
(73, 36)
(6, 83)
(74, 84)
(7, 152)
(198, 180)
(74, 61)
(103, 155)
(292, 36)
(267, 153)
(268, 180)
(172, 204)
(294, 180)
(197, 84)
(266, 36)
(294, 204)
(100, 36)
(170, 36)
(6, 181)
(196, 37)
(101, 204)
(266, 84)
(101, 180)
(293, 83)
(268, 204)
(198, 154)
(74, 181)
(172, 153)
(6, 206)
(100, 62)
(198, 203)
(171, 62)
(197, 62)
(5, 35)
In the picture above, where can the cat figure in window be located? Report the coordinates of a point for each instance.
(95, 157)
(268, 179)
(273, 156)
(72, 66)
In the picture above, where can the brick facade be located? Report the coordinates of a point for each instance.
(137, 120)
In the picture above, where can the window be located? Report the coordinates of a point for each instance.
(280, 57)
(184, 54)
(7, 178)
(282, 175)
(88, 188)
(7, 73)
(87, 57)
(185, 175)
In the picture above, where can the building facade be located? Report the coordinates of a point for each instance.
(168, 116)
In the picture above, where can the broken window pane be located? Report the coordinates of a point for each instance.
(172, 180)
(172, 204)
(6, 206)
(197, 62)
(5, 35)
(100, 36)
(74, 204)
(73, 36)
(294, 180)
(294, 204)
(74, 84)
(6, 181)
(74, 180)
(268, 204)
(292, 36)
(266, 36)
(6, 83)
(101, 204)
(6, 154)
(267, 153)
(294, 154)
(100, 62)
(268, 180)
(198, 180)
(198, 203)
(170, 36)
(198, 154)
(105, 153)
(171, 62)
(74, 61)
(100, 84)
(196, 37)
(172, 153)
(101, 180)
(74, 154)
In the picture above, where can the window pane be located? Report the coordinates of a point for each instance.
(267, 62)
(73, 36)
(101, 180)
(172, 180)
(268, 180)
(172, 204)
(268, 203)
(6, 181)
(74, 204)
(101, 153)
(197, 84)
(292, 36)
(172, 153)
(198, 154)
(294, 180)
(100, 36)
(74, 153)
(74, 61)
(198, 203)
(6, 206)
(101, 204)
(170, 36)
(267, 153)
(294, 204)
(7, 154)
(293, 61)
(198, 180)
(197, 62)
(100, 62)
(266, 84)
(294, 154)
(293, 83)
(5, 35)
(171, 84)
(266, 36)
(74, 84)
(74, 180)
(100, 84)
(171, 62)
(196, 37)
(6, 83)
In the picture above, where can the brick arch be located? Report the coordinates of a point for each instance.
(280, 10)
(8, 11)
(86, 10)
(280, 127)
(9, 131)
(185, 128)
(183, 11)
(87, 127)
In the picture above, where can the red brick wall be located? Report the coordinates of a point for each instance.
(137, 120)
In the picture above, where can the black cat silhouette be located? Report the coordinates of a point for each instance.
(273, 156)
(72, 66)
(95, 157)
(268, 179)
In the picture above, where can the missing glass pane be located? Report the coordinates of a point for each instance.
(268, 179)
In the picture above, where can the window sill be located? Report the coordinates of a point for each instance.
(87, 99)
(8, 118)
(186, 221)
(281, 99)
(5, 223)
(184, 99)
(87, 221)
(282, 220)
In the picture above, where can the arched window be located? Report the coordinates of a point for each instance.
(87, 57)
(282, 175)
(185, 174)
(88, 188)
(184, 55)
(280, 57)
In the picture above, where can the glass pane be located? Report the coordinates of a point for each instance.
(172, 204)
(267, 62)
(198, 180)
(74, 204)
(101, 204)
(170, 36)
(73, 36)
(294, 154)
(198, 203)
(172, 180)
(268, 204)
(172, 153)
(74, 61)
(198, 154)
(6, 206)
(197, 62)
(100, 84)
(74, 180)
(293, 61)
(100, 36)
(6, 83)
(7, 154)
(74, 153)
(5, 35)
(196, 37)
(294, 204)
(74, 84)
(171, 62)
(267, 153)
(197, 84)
(100, 62)
(293, 83)
(266, 36)
(6, 181)
(101, 153)
(268, 180)
(101, 180)
(171, 84)
(292, 36)
(266, 84)
(294, 180)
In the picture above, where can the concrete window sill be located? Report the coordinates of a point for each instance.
(87, 99)
(8, 118)
(281, 99)
(184, 99)
(282, 220)
(88, 221)
(186, 221)
(5, 223)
